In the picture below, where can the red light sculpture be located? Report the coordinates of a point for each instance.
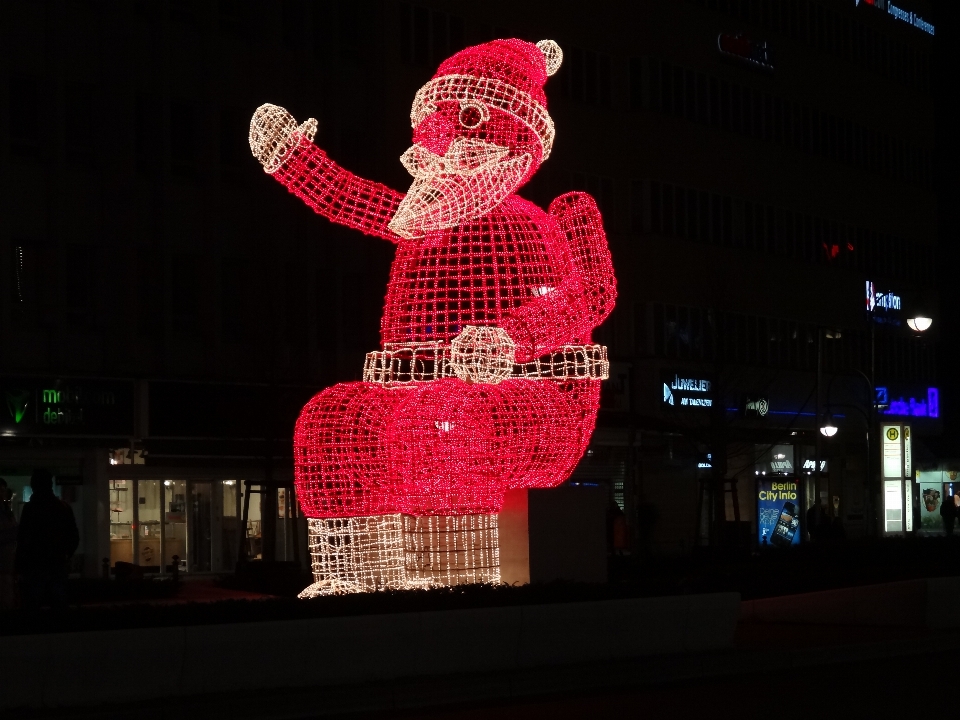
(487, 379)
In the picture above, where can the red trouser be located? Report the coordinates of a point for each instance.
(443, 447)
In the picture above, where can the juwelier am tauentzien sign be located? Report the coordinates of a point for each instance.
(65, 406)
(686, 390)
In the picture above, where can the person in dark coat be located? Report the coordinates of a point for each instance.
(948, 512)
(8, 546)
(46, 539)
(816, 515)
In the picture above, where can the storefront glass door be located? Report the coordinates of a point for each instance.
(149, 525)
(200, 538)
(230, 538)
(121, 522)
(175, 523)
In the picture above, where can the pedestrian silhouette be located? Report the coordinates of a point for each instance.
(46, 539)
(8, 547)
(948, 512)
(817, 521)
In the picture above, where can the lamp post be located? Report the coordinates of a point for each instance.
(918, 324)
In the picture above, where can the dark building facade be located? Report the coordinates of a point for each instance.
(166, 309)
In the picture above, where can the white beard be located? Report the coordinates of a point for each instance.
(469, 181)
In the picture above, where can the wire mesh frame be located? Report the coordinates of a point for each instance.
(379, 552)
(398, 365)
(451, 550)
(356, 554)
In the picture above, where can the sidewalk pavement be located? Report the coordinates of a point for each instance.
(202, 589)
(764, 652)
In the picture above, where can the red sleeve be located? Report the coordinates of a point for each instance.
(584, 298)
(338, 194)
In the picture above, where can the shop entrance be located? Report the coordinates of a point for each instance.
(157, 524)
(200, 554)
(198, 525)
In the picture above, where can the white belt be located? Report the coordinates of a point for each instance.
(400, 364)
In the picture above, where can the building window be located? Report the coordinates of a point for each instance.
(428, 37)
(80, 282)
(34, 268)
(184, 145)
(236, 284)
(148, 134)
(28, 108)
(234, 127)
(588, 78)
(151, 274)
(292, 24)
(82, 123)
(185, 282)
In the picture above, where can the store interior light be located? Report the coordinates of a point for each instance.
(920, 323)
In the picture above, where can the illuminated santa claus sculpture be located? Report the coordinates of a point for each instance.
(487, 379)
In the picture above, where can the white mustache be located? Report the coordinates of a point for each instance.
(463, 157)
(438, 200)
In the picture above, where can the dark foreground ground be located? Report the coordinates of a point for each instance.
(776, 671)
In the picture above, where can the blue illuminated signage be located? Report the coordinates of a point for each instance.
(921, 404)
(680, 391)
(882, 307)
(881, 300)
(907, 16)
(910, 17)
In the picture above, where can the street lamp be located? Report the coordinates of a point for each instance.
(919, 323)
(828, 429)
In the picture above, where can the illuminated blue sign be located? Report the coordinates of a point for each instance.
(882, 307)
(881, 300)
(686, 391)
(927, 405)
(911, 18)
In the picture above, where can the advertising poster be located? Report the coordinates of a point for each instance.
(931, 496)
(778, 511)
(934, 488)
(893, 505)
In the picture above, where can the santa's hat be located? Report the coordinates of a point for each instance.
(505, 74)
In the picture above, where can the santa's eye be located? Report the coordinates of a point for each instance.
(473, 113)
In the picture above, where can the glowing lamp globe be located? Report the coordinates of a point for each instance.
(920, 323)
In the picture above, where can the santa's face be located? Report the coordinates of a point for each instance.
(466, 159)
